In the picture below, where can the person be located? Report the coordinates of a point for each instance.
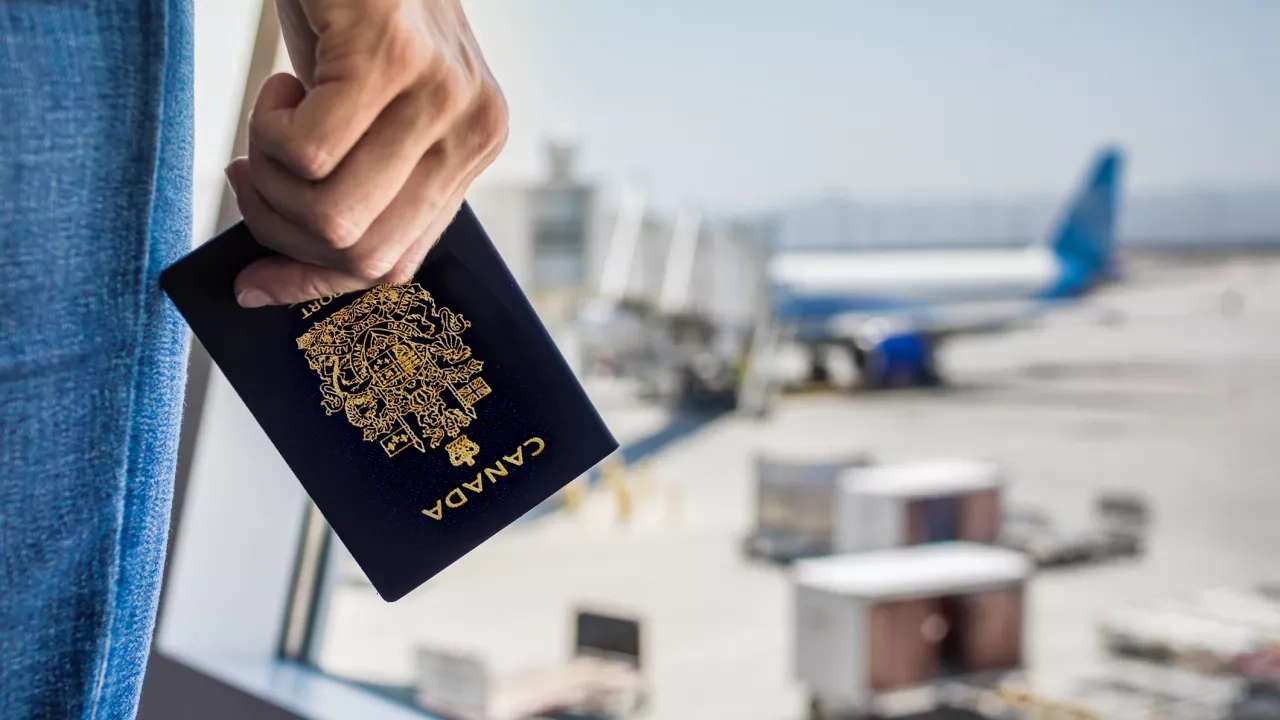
(357, 162)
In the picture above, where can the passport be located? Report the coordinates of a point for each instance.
(421, 417)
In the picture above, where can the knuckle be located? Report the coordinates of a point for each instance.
(308, 159)
(492, 119)
(305, 158)
(335, 229)
(452, 92)
(371, 269)
(402, 53)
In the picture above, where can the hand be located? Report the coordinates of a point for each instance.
(358, 164)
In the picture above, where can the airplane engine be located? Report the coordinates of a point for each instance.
(897, 359)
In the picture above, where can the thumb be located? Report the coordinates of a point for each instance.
(281, 280)
(281, 91)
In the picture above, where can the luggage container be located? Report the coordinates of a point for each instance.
(885, 506)
(795, 504)
(602, 680)
(891, 620)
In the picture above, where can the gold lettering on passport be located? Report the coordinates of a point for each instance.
(456, 497)
(312, 306)
(491, 473)
(394, 362)
(462, 450)
(451, 502)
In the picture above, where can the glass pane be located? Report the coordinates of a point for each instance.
(1024, 379)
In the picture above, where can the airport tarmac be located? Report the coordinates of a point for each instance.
(1166, 384)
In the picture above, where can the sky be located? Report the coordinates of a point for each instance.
(752, 104)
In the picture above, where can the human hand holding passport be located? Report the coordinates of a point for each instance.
(421, 417)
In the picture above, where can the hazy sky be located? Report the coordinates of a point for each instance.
(751, 103)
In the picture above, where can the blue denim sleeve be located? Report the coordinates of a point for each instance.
(95, 160)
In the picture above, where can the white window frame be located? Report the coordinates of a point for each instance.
(248, 571)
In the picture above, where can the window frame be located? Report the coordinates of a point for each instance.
(248, 571)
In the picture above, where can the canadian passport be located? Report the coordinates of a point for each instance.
(421, 417)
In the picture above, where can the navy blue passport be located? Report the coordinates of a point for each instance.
(422, 418)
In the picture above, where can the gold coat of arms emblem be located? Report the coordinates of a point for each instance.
(395, 363)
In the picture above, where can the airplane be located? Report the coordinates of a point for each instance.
(891, 310)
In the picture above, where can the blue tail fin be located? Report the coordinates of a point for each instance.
(1085, 241)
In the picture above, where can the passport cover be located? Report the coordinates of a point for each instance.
(422, 417)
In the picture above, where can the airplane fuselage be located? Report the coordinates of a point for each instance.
(870, 282)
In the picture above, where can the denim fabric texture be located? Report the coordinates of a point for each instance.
(95, 167)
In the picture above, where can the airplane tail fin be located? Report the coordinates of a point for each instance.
(1085, 240)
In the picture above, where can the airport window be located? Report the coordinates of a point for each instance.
(561, 223)
(981, 433)
(563, 205)
(558, 261)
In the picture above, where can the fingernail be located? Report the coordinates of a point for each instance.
(252, 298)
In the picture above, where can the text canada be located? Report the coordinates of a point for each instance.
(458, 496)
